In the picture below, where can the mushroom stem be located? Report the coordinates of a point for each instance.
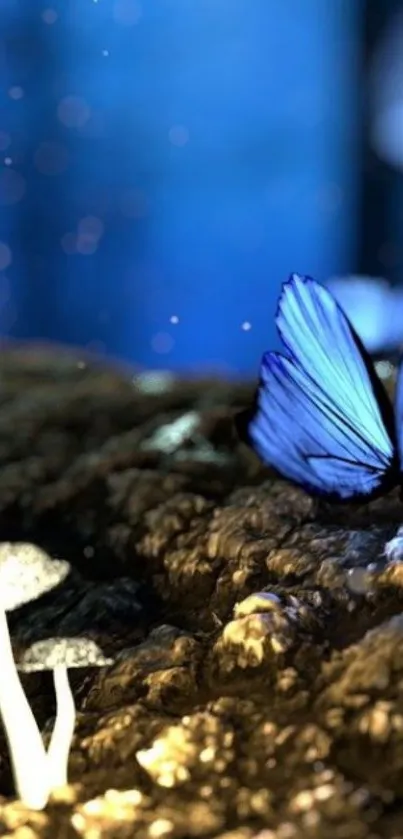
(28, 756)
(62, 734)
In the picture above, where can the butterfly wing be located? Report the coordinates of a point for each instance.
(322, 417)
(399, 414)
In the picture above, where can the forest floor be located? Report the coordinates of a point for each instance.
(256, 635)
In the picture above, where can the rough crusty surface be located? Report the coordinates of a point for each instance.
(256, 636)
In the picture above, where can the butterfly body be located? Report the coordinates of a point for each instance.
(321, 415)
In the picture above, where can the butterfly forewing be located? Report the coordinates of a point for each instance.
(322, 418)
(317, 332)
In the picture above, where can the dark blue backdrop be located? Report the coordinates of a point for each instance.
(166, 164)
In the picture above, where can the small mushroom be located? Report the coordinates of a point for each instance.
(26, 572)
(60, 654)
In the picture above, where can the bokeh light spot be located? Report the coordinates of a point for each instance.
(8, 161)
(16, 92)
(162, 343)
(86, 245)
(5, 256)
(91, 226)
(178, 135)
(90, 230)
(86, 240)
(127, 12)
(246, 326)
(12, 187)
(49, 16)
(51, 158)
(73, 111)
(384, 369)
(174, 319)
(154, 381)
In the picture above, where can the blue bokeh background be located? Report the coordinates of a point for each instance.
(166, 164)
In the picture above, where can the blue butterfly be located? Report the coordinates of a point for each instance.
(321, 415)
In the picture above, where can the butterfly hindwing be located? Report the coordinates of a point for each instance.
(322, 417)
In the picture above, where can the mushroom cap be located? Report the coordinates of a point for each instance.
(70, 652)
(27, 572)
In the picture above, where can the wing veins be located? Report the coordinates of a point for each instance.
(326, 405)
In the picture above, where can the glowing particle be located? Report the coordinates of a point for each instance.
(246, 326)
(162, 343)
(49, 16)
(16, 92)
(8, 161)
(73, 111)
(105, 53)
(5, 256)
(178, 135)
(174, 319)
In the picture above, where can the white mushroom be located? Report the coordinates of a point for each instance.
(27, 752)
(26, 572)
(60, 654)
